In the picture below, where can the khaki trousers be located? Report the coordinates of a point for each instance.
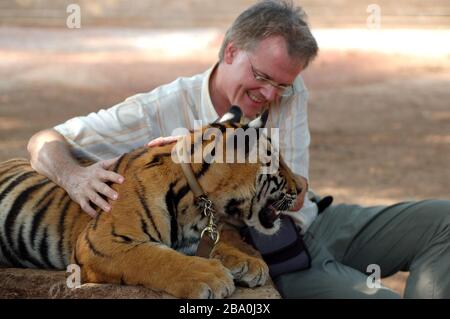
(345, 239)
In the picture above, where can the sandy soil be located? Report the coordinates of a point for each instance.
(380, 123)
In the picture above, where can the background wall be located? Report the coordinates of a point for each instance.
(218, 13)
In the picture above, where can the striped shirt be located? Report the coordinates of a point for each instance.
(140, 118)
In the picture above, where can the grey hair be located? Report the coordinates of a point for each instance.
(273, 18)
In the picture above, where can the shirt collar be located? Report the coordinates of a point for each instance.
(207, 111)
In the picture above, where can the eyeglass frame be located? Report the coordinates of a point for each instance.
(282, 87)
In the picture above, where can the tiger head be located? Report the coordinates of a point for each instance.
(247, 180)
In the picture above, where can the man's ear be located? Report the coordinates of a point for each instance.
(230, 53)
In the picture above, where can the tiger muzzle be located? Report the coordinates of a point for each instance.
(268, 215)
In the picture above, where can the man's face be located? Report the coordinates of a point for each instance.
(270, 60)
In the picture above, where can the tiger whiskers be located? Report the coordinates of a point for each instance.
(284, 203)
(281, 205)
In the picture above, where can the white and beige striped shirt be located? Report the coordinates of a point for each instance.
(143, 117)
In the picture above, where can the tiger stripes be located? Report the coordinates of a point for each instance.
(153, 229)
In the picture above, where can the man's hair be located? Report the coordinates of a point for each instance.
(273, 18)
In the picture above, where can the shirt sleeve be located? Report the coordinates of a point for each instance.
(294, 131)
(108, 133)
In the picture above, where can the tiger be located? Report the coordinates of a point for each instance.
(150, 235)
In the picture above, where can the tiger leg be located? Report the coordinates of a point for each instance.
(243, 261)
(153, 265)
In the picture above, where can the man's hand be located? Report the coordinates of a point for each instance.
(301, 197)
(87, 185)
(161, 141)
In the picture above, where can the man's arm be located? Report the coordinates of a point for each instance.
(295, 138)
(50, 156)
(300, 197)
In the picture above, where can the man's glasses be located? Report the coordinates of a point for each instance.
(284, 90)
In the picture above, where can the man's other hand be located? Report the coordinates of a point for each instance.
(88, 185)
(301, 197)
(161, 141)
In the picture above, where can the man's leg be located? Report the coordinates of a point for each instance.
(328, 278)
(408, 236)
(413, 237)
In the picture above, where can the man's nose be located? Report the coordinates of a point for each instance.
(269, 92)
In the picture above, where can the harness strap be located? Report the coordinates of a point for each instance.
(210, 235)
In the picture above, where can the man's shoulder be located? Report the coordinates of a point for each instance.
(182, 87)
(299, 85)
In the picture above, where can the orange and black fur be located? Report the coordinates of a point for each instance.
(151, 233)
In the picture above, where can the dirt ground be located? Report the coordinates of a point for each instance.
(380, 123)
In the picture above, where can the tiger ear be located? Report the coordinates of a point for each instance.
(233, 115)
(260, 121)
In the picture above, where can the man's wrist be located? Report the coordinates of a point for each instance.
(66, 174)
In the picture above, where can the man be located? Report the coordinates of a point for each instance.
(261, 58)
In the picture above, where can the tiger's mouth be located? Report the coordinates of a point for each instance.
(271, 211)
(268, 215)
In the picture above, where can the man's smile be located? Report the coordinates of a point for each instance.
(255, 99)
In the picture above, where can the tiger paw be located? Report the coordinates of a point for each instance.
(202, 279)
(247, 270)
